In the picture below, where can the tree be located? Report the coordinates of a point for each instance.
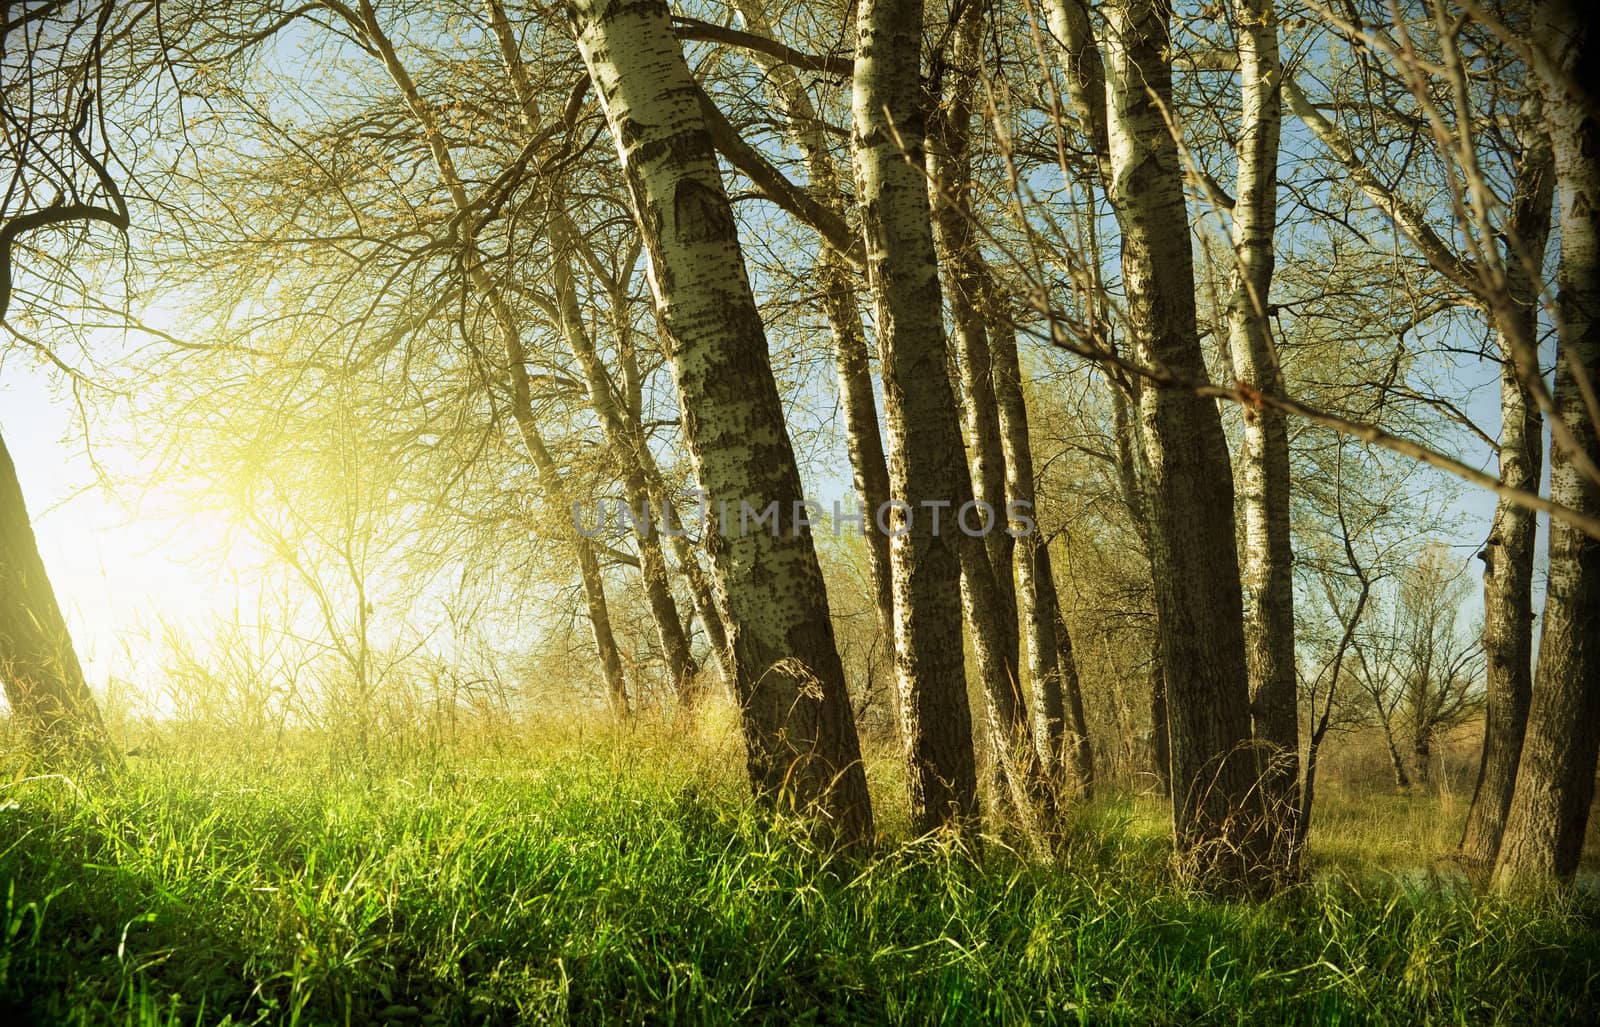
(1263, 471)
(49, 56)
(1377, 672)
(1555, 775)
(801, 740)
(44, 682)
(1422, 671)
(1439, 664)
(1348, 620)
(927, 462)
(1217, 812)
(363, 21)
(996, 417)
(1508, 553)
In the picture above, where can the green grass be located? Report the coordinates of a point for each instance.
(599, 878)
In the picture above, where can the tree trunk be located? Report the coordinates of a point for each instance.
(1216, 807)
(1264, 463)
(968, 288)
(926, 458)
(1160, 729)
(1063, 696)
(1555, 779)
(863, 442)
(43, 680)
(1402, 780)
(1030, 756)
(1508, 555)
(625, 443)
(1308, 793)
(1048, 648)
(1422, 754)
(802, 746)
(1132, 477)
(707, 606)
(365, 23)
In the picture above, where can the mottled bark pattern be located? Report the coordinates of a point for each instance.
(802, 747)
(1084, 69)
(1508, 554)
(1264, 461)
(1216, 807)
(926, 459)
(1555, 779)
(1160, 729)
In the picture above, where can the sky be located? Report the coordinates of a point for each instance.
(124, 559)
(120, 561)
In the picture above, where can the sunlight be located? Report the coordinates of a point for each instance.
(123, 562)
(752, 512)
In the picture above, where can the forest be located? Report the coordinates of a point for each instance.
(747, 511)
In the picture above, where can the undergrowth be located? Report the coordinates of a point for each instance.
(616, 879)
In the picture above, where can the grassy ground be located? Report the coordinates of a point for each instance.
(597, 878)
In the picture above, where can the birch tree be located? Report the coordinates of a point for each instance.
(802, 747)
(625, 445)
(1555, 775)
(1264, 458)
(996, 417)
(1508, 553)
(927, 462)
(1216, 807)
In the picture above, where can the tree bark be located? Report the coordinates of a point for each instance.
(1555, 778)
(1508, 555)
(802, 746)
(1060, 701)
(1264, 463)
(926, 458)
(43, 680)
(838, 280)
(1084, 69)
(1217, 810)
(1029, 757)
(968, 288)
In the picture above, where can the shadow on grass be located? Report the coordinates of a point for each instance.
(567, 888)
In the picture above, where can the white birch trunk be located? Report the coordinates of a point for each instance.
(1216, 807)
(802, 746)
(1268, 564)
(926, 458)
